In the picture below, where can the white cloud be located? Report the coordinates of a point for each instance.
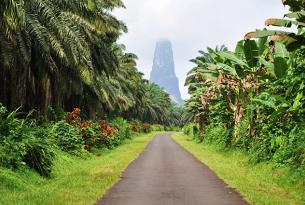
(191, 25)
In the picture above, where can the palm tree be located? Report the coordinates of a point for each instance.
(51, 51)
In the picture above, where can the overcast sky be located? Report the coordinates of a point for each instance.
(190, 25)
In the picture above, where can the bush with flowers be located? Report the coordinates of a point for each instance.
(136, 126)
(90, 133)
(147, 127)
(74, 117)
(94, 134)
(106, 129)
(110, 137)
(157, 127)
(27, 144)
(104, 134)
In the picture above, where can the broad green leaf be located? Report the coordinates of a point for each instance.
(280, 50)
(251, 53)
(269, 66)
(296, 15)
(297, 101)
(232, 57)
(280, 67)
(222, 67)
(227, 68)
(266, 103)
(302, 86)
(239, 50)
(262, 45)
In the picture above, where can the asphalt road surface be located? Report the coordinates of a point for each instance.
(166, 174)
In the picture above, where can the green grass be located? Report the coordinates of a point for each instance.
(259, 184)
(75, 181)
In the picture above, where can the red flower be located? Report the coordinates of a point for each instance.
(74, 117)
(135, 127)
(105, 128)
(147, 126)
(85, 124)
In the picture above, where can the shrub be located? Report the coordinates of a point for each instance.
(217, 135)
(191, 130)
(74, 117)
(147, 127)
(92, 135)
(136, 126)
(112, 141)
(157, 127)
(123, 127)
(106, 129)
(111, 137)
(291, 149)
(39, 154)
(67, 137)
(99, 134)
(23, 143)
(265, 144)
(241, 139)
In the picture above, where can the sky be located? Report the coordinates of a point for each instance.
(190, 25)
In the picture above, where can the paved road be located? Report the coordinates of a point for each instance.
(166, 174)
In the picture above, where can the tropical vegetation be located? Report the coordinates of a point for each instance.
(252, 98)
(59, 55)
(261, 183)
(69, 93)
(75, 180)
(68, 85)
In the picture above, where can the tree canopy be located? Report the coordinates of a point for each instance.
(64, 54)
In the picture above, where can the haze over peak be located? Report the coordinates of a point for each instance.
(163, 70)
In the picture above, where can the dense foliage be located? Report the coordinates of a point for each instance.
(25, 144)
(253, 98)
(58, 55)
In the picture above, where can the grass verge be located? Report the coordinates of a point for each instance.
(260, 184)
(75, 181)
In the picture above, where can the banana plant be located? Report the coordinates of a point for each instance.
(232, 77)
(296, 18)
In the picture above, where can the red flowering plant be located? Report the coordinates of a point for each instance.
(106, 129)
(74, 117)
(97, 134)
(111, 138)
(90, 134)
(159, 127)
(94, 134)
(84, 127)
(147, 127)
(85, 124)
(135, 127)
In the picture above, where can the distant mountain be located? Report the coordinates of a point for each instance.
(163, 70)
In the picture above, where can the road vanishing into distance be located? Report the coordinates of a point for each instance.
(166, 174)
